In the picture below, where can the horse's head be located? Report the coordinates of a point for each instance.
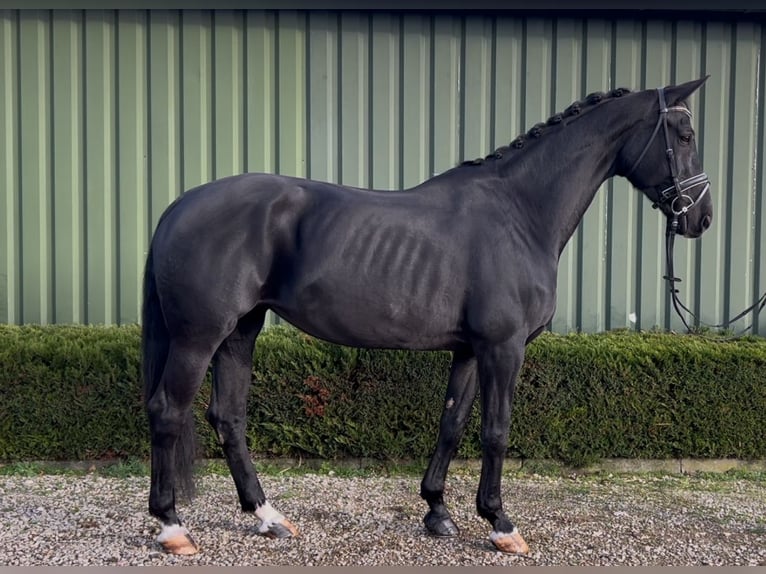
(660, 158)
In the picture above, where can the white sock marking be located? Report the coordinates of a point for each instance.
(268, 516)
(171, 531)
(495, 535)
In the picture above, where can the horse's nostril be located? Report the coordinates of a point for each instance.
(706, 221)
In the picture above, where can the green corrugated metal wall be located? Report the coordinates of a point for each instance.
(106, 116)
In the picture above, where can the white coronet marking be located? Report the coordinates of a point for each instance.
(268, 517)
(495, 535)
(171, 531)
(450, 403)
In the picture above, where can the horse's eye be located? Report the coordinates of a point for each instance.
(686, 139)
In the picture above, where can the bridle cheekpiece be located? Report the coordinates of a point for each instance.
(676, 193)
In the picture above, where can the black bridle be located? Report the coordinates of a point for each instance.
(676, 192)
(669, 197)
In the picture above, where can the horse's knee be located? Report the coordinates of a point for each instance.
(226, 425)
(494, 443)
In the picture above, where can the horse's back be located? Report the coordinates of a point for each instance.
(354, 266)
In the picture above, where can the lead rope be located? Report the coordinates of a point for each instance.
(679, 187)
(670, 236)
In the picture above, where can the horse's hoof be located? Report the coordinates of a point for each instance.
(178, 541)
(511, 543)
(440, 525)
(282, 529)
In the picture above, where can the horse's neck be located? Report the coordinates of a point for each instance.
(545, 189)
(558, 179)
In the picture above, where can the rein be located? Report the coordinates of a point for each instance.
(670, 237)
(677, 193)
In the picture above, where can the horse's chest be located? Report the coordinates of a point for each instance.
(498, 309)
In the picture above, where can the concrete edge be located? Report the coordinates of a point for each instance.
(545, 466)
(613, 465)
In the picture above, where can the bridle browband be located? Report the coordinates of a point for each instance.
(671, 195)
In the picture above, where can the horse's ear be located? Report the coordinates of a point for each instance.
(677, 94)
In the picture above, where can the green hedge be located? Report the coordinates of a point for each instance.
(74, 392)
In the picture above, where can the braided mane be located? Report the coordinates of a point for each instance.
(540, 129)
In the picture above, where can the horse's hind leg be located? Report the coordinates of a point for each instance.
(232, 372)
(461, 392)
(172, 436)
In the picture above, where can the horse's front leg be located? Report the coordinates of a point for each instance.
(461, 392)
(499, 365)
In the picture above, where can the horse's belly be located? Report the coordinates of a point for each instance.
(360, 320)
(389, 336)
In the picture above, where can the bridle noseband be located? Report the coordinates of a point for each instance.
(676, 193)
(671, 195)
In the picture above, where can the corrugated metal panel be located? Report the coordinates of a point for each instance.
(9, 272)
(106, 116)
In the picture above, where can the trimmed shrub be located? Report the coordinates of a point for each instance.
(324, 400)
(70, 393)
(74, 392)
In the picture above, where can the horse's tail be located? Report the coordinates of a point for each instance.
(155, 344)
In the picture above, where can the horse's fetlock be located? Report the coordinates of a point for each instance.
(432, 495)
(490, 508)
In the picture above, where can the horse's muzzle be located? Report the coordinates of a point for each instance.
(692, 225)
(695, 214)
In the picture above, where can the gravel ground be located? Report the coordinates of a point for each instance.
(577, 520)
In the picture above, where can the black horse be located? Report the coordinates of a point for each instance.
(464, 262)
